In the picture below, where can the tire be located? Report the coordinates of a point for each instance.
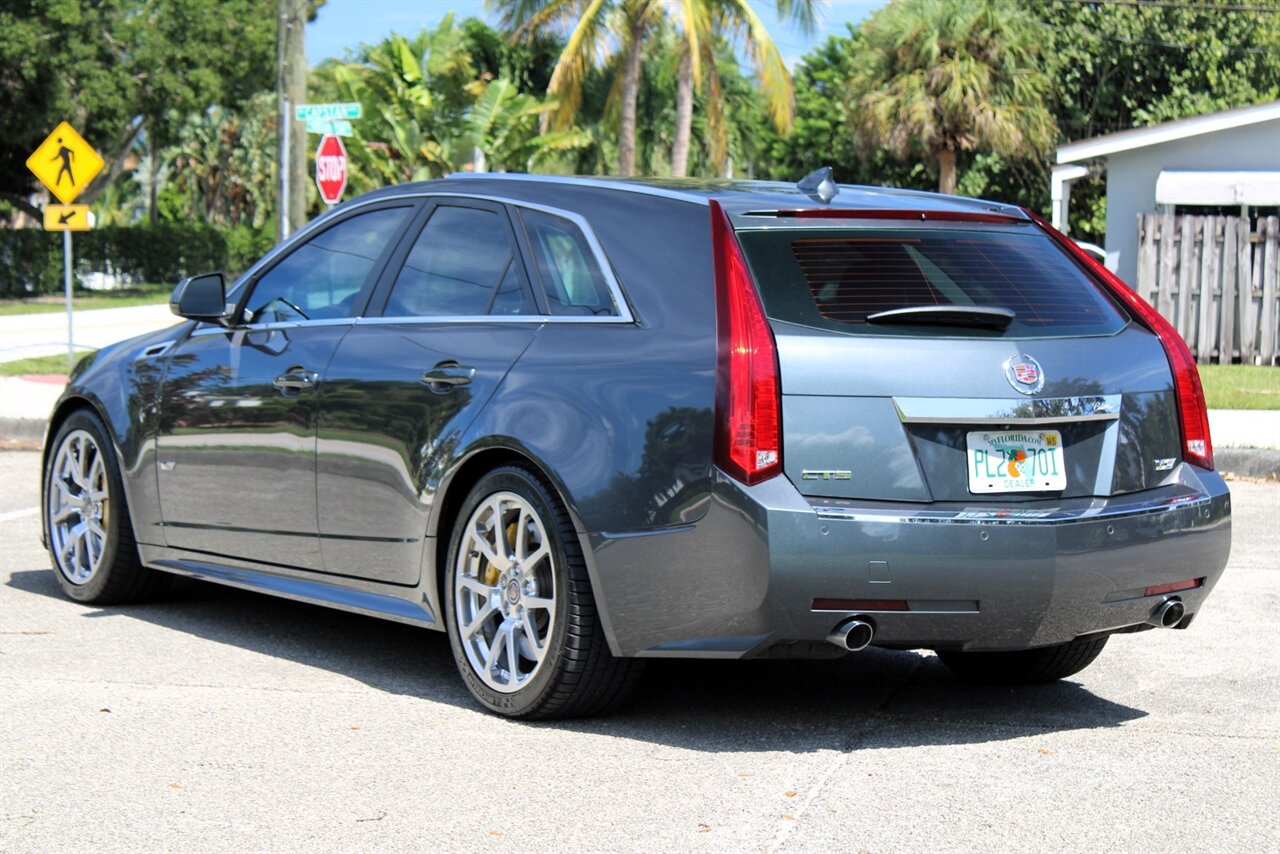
(521, 617)
(1045, 664)
(86, 518)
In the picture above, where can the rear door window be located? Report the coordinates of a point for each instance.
(464, 263)
(836, 279)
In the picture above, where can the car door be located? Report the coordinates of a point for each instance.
(452, 314)
(236, 435)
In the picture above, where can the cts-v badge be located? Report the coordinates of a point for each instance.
(1024, 374)
(826, 474)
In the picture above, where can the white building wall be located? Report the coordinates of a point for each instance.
(1131, 178)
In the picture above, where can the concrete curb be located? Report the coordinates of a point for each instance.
(1263, 463)
(23, 431)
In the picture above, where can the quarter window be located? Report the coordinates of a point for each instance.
(571, 278)
(463, 264)
(323, 277)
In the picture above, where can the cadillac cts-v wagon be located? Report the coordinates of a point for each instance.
(577, 423)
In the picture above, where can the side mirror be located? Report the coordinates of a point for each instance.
(201, 297)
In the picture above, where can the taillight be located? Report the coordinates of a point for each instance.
(748, 442)
(1193, 415)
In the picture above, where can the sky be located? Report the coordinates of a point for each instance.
(344, 24)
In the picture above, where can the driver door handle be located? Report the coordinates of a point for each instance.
(296, 378)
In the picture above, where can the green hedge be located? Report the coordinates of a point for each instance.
(31, 259)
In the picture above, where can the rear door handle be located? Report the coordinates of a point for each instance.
(296, 378)
(446, 375)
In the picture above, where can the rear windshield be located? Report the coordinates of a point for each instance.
(835, 279)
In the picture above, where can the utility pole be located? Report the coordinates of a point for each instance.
(291, 86)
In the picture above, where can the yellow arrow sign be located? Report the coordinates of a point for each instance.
(65, 163)
(66, 218)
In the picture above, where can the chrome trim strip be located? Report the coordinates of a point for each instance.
(268, 327)
(1012, 515)
(602, 260)
(963, 410)
(620, 303)
(585, 181)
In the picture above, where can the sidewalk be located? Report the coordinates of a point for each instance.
(1246, 442)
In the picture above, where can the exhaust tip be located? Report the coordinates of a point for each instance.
(853, 635)
(1168, 614)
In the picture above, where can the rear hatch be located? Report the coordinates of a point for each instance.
(955, 361)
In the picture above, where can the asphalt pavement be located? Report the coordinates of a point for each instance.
(219, 720)
(24, 336)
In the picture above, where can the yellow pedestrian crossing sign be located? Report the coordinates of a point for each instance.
(65, 163)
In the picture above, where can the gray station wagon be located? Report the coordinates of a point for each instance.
(577, 423)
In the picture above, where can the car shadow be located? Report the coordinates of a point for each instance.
(877, 698)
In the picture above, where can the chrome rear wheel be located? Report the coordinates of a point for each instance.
(505, 592)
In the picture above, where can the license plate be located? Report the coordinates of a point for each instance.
(1016, 461)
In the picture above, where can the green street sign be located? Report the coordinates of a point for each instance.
(337, 127)
(326, 112)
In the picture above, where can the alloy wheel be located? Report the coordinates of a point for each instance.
(504, 592)
(79, 506)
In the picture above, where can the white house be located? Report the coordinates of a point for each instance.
(1227, 159)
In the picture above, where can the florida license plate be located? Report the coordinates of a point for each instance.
(1016, 461)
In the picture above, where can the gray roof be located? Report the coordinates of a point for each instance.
(736, 196)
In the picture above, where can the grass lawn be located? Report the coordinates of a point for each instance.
(37, 365)
(1241, 386)
(85, 300)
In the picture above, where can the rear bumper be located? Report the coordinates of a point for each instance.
(743, 581)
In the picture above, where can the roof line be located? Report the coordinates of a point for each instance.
(1126, 140)
(579, 180)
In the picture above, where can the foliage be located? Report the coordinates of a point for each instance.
(431, 103)
(115, 67)
(31, 260)
(224, 162)
(935, 78)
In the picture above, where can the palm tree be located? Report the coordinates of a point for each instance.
(701, 23)
(617, 29)
(943, 77)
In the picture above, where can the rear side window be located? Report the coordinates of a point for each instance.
(463, 264)
(836, 279)
(571, 278)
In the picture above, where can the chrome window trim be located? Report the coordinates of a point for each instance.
(966, 410)
(602, 261)
(620, 303)
(581, 181)
(215, 329)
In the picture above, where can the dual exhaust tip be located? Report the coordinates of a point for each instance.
(852, 635)
(855, 635)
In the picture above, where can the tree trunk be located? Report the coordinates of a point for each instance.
(947, 171)
(630, 94)
(153, 190)
(291, 47)
(684, 117)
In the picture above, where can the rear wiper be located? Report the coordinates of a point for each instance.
(979, 316)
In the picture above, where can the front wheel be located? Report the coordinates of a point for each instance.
(1045, 664)
(87, 521)
(522, 620)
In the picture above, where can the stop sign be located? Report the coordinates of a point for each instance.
(331, 168)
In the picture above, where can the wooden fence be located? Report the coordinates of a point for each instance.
(1216, 280)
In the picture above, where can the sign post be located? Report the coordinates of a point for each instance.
(65, 163)
(331, 169)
